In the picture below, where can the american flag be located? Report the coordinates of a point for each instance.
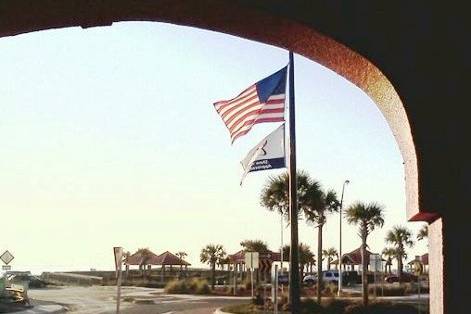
(262, 102)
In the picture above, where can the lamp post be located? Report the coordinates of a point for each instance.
(339, 292)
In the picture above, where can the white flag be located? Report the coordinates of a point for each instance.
(268, 154)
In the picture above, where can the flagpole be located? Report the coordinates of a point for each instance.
(294, 281)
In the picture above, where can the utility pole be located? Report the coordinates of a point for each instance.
(339, 292)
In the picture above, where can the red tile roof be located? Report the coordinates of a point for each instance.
(354, 257)
(142, 257)
(239, 257)
(147, 257)
(168, 258)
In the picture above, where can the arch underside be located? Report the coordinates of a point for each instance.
(256, 21)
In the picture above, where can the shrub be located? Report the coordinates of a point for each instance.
(202, 287)
(176, 286)
(414, 289)
(389, 291)
(310, 306)
(193, 285)
(335, 307)
(382, 307)
(248, 283)
(257, 300)
(330, 289)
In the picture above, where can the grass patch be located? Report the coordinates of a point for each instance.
(128, 299)
(309, 306)
(247, 309)
(188, 286)
(387, 291)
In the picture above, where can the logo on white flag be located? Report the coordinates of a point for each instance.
(268, 154)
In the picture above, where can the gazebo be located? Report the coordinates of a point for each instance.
(169, 259)
(353, 259)
(265, 262)
(144, 258)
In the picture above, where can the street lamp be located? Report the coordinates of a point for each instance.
(340, 239)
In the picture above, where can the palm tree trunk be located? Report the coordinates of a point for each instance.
(364, 278)
(319, 264)
(399, 268)
(213, 278)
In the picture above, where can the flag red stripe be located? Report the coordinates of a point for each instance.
(260, 111)
(224, 103)
(250, 102)
(241, 113)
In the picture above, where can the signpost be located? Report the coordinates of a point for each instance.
(251, 262)
(418, 269)
(118, 260)
(274, 280)
(375, 266)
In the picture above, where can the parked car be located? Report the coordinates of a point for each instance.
(350, 277)
(406, 277)
(283, 278)
(329, 276)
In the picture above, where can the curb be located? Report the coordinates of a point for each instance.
(219, 311)
(44, 309)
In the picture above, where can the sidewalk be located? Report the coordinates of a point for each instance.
(51, 308)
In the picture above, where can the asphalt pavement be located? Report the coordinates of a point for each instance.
(102, 299)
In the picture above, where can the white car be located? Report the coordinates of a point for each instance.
(328, 276)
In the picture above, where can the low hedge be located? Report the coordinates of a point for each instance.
(188, 286)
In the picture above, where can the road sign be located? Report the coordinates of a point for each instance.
(251, 260)
(417, 268)
(375, 262)
(6, 267)
(6, 257)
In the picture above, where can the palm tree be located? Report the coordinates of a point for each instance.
(254, 246)
(316, 205)
(181, 255)
(330, 254)
(423, 233)
(367, 217)
(212, 254)
(224, 261)
(146, 255)
(400, 237)
(275, 193)
(306, 257)
(389, 253)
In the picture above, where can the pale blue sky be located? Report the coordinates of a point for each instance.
(109, 138)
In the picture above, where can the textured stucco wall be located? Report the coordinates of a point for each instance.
(435, 238)
(410, 57)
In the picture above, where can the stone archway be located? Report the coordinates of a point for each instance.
(396, 37)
